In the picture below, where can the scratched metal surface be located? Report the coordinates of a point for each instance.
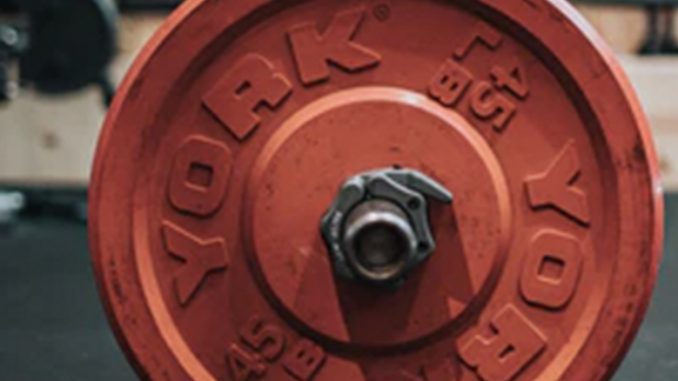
(52, 326)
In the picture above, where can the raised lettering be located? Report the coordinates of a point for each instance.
(244, 366)
(552, 270)
(516, 343)
(484, 35)
(266, 339)
(304, 360)
(555, 187)
(514, 81)
(200, 258)
(450, 83)
(199, 177)
(487, 103)
(251, 83)
(313, 52)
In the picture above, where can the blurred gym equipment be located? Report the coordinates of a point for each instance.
(660, 37)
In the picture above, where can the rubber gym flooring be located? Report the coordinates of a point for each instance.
(52, 326)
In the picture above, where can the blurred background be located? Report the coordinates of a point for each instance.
(60, 61)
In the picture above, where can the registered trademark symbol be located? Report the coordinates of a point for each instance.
(382, 12)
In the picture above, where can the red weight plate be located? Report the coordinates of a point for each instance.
(240, 121)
